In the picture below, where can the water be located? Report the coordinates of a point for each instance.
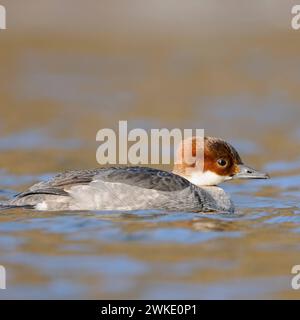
(59, 87)
(156, 254)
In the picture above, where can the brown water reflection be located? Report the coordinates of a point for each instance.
(60, 84)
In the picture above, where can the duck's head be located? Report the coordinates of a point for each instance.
(210, 161)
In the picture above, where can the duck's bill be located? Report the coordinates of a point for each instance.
(249, 173)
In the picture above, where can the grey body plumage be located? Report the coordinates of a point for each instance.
(122, 188)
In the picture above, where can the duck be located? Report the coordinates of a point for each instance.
(192, 185)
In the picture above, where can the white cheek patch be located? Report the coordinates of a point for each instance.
(207, 178)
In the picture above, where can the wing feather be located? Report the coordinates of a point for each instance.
(143, 177)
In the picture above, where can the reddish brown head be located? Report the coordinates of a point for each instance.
(212, 161)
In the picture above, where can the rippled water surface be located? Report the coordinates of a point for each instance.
(58, 87)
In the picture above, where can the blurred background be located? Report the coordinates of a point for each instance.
(69, 68)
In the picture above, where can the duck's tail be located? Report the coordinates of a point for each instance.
(6, 205)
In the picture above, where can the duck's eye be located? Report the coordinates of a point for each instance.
(222, 162)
